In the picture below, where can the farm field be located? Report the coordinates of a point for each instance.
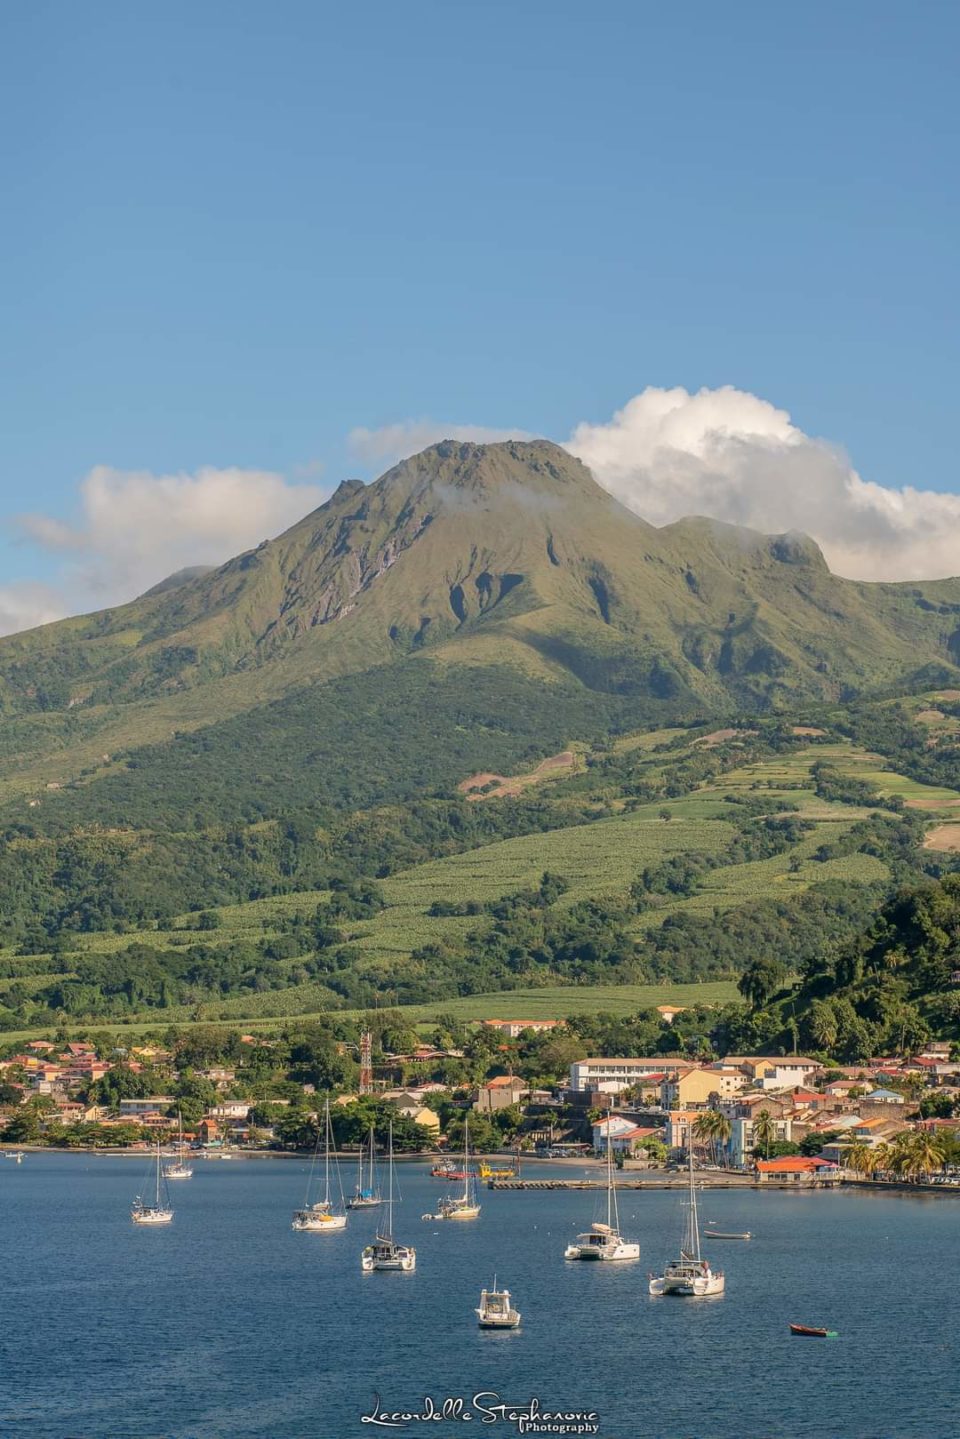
(551, 1002)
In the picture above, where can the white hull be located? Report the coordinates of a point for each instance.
(307, 1223)
(510, 1323)
(398, 1257)
(152, 1216)
(609, 1253)
(178, 1171)
(364, 1203)
(688, 1288)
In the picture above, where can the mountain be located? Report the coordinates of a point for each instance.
(505, 558)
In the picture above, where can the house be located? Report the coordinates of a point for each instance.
(884, 1096)
(41, 1046)
(513, 1028)
(797, 1168)
(134, 1108)
(690, 1088)
(499, 1093)
(625, 1136)
(230, 1110)
(208, 1131)
(669, 1012)
(680, 1122)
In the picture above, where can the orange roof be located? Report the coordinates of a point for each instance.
(502, 1081)
(792, 1164)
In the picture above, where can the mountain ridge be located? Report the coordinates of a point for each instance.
(505, 555)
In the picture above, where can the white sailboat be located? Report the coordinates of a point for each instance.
(604, 1241)
(367, 1194)
(690, 1276)
(385, 1252)
(495, 1310)
(158, 1212)
(460, 1206)
(180, 1169)
(321, 1217)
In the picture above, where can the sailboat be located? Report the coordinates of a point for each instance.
(321, 1217)
(367, 1194)
(495, 1310)
(179, 1169)
(604, 1241)
(159, 1212)
(385, 1252)
(689, 1276)
(460, 1206)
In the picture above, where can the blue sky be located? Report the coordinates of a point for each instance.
(236, 232)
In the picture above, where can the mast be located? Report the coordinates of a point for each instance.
(692, 1236)
(389, 1234)
(466, 1160)
(326, 1153)
(158, 1174)
(372, 1144)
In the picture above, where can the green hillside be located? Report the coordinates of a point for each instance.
(507, 559)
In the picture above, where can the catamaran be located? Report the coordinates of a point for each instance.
(690, 1276)
(495, 1310)
(385, 1252)
(604, 1241)
(179, 1169)
(321, 1217)
(159, 1212)
(460, 1206)
(367, 1194)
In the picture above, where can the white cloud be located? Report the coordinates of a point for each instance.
(390, 443)
(24, 604)
(136, 528)
(732, 456)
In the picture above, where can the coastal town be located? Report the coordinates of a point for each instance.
(764, 1119)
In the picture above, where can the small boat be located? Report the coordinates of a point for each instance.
(17, 1157)
(179, 1169)
(690, 1276)
(385, 1253)
(804, 1331)
(321, 1217)
(495, 1310)
(485, 1170)
(604, 1241)
(159, 1212)
(719, 1234)
(367, 1194)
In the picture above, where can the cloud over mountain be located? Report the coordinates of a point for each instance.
(732, 456)
(136, 527)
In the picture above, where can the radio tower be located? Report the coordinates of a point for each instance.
(366, 1062)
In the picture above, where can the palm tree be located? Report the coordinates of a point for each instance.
(723, 1128)
(705, 1129)
(926, 1154)
(860, 1159)
(764, 1130)
(882, 1158)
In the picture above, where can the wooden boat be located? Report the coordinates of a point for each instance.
(804, 1331)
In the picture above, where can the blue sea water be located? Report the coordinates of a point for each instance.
(228, 1325)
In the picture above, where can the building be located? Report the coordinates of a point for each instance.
(797, 1168)
(513, 1028)
(499, 1093)
(669, 1012)
(156, 1104)
(625, 1137)
(692, 1088)
(426, 1118)
(610, 1076)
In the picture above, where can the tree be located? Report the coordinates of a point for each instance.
(764, 1130)
(860, 1159)
(760, 980)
